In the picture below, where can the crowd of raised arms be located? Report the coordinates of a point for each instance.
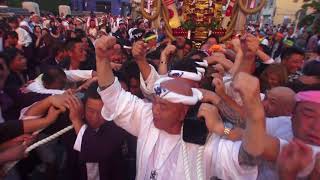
(148, 108)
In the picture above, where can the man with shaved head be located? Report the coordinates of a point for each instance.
(161, 152)
(279, 102)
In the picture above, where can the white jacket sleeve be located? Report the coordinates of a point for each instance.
(147, 85)
(125, 109)
(226, 163)
(78, 75)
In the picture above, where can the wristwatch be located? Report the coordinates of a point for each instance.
(227, 128)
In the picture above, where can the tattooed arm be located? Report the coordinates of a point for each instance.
(254, 134)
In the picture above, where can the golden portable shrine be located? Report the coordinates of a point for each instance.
(197, 19)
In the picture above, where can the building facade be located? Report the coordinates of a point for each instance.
(115, 7)
(281, 11)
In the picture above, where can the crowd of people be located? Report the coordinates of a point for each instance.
(143, 106)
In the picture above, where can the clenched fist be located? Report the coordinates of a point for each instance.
(236, 44)
(247, 85)
(139, 50)
(106, 47)
(170, 49)
(252, 43)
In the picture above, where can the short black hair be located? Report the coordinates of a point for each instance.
(53, 74)
(92, 92)
(212, 36)
(71, 43)
(11, 34)
(131, 70)
(57, 48)
(11, 53)
(185, 64)
(287, 53)
(80, 33)
(13, 20)
(197, 52)
(312, 68)
(121, 77)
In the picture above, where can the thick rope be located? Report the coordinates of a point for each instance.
(240, 6)
(186, 164)
(9, 166)
(164, 14)
(199, 162)
(147, 15)
(232, 23)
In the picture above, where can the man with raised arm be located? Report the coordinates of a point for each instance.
(158, 126)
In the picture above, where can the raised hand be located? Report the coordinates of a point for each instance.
(170, 49)
(294, 157)
(316, 170)
(252, 43)
(211, 115)
(236, 44)
(139, 51)
(76, 113)
(247, 85)
(209, 97)
(106, 47)
(219, 87)
(75, 107)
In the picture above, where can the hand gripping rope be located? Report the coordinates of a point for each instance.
(10, 165)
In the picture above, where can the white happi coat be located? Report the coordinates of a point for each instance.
(135, 116)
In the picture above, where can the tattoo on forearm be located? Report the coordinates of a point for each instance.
(245, 159)
(229, 114)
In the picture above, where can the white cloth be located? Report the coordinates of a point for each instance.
(146, 86)
(174, 97)
(270, 61)
(72, 75)
(24, 37)
(93, 171)
(135, 116)
(280, 127)
(165, 143)
(78, 142)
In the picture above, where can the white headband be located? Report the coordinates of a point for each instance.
(186, 75)
(173, 97)
(204, 63)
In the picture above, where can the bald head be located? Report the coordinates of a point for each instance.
(179, 86)
(285, 95)
(280, 102)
